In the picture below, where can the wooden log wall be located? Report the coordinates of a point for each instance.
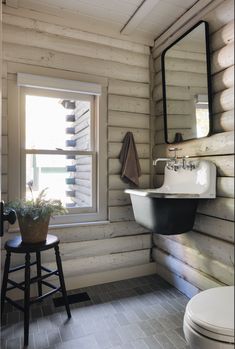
(117, 248)
(204, 257)
(81, 188)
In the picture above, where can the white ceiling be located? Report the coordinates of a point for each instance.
(147, 18)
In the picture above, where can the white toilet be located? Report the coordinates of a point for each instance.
(209, 319)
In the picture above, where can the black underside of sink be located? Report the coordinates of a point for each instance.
(165, 216)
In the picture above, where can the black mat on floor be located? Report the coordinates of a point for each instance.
(73, 298)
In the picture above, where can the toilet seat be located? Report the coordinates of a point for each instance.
(208, 334)
(211, 314)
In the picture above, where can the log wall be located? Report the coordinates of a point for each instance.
(118, 248)
(80, 186)
(203, 258)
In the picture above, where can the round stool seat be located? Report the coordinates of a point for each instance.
(17, 246)
(211, 314)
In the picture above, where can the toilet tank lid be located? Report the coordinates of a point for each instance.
(213, 310)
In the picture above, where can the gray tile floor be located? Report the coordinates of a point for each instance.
(141, 313)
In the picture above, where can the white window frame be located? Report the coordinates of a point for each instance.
(28, 83)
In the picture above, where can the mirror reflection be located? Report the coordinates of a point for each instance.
(185, 86)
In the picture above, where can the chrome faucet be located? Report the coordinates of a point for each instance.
(173, 163)
(159, 160)
(184, 162)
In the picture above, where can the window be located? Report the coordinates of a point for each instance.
(60, 147)
(202, 115)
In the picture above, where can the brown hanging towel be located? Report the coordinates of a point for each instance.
(128, 157)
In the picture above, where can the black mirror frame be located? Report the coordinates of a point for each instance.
(209, 86)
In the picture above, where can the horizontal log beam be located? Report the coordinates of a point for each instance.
(196, 260)
(186, 261)
(220, 16)
(115, 182)
(89, 232)
(211, 247)
(221, 208)
(114, 166)
(225, 187)
(57, 60)
(65, 28)
(32, 38)
(118, 198)
(15, 67)
(217, 144)
(120, 214)
(218, 228)
(223, 80)
(224, 164)
(178, 282)
(128, 104)
(223, 101)
(114, 149)
(117, 134)
(224, 121)
(222, 58)
(194, 277)
(103, 263)
(125, 119)
(95, 248)
(127, 88)
(223, 36)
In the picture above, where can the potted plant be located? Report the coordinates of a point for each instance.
(34, 215)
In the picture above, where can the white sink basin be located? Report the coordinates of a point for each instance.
(198, 183)
(171, 209)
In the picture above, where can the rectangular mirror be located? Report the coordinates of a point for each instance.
(186, 86)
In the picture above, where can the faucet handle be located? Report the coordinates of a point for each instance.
(175, 150)
(184, 161)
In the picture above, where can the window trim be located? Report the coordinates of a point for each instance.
(101, 159)
(45, 82)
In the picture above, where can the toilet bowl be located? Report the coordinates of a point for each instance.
(209, 319)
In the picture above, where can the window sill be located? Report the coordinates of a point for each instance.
(72, 225)
(15, 229)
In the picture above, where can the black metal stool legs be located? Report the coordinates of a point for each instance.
(16, 246)
(4, 280)
(62, 283)
(39, 273)
(26, 299)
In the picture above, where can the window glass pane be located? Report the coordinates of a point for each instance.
(54, 123)
(67, 178)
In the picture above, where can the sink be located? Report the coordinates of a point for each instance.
(199, 182)
(171, 209)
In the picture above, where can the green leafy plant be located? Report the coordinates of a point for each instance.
(34, 215)
(37, 208)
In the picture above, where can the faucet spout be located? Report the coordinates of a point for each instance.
(155, 162)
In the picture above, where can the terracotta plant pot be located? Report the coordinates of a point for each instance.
(33, 230)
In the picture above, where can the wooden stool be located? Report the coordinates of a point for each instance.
(17, 246)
